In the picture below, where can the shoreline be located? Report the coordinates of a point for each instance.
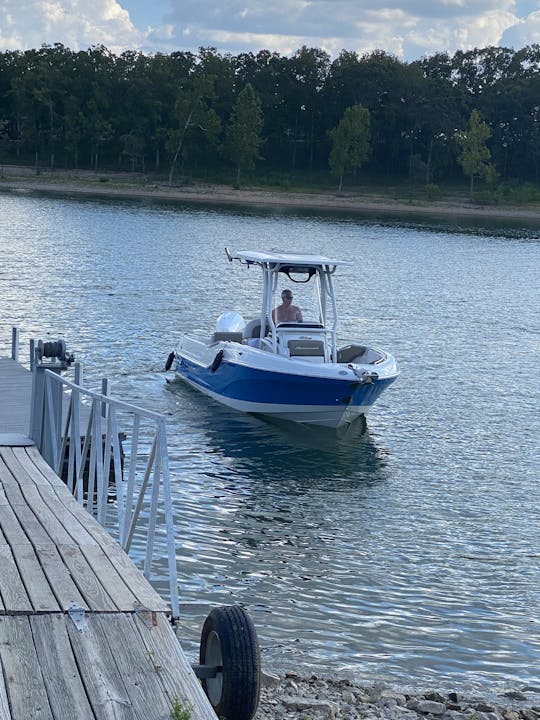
(296, 697)
(123, 186)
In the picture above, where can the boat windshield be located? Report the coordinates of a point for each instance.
(300, 297)
(296, 288)
(295, 302)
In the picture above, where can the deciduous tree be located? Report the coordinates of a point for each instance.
(475, 155)
(243, 137)
(192, 112)
(351, 142)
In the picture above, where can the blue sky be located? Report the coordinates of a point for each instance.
(408, 29)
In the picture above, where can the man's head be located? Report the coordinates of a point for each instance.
(287, 296)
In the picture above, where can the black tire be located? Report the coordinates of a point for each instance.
(229, 641)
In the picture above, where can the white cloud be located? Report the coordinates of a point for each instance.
(77, 24)
(406, 28)
(480, 31)
(524, 32)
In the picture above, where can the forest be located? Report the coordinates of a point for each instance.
(208, 115)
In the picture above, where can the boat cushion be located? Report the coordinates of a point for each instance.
(306, 347)
(350, 353)
(230, 336)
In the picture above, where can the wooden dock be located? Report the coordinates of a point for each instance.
(83, 635)
(15, 394)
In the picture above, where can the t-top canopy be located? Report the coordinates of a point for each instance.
(279, 258)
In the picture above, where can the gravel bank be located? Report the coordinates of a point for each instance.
(292, 697)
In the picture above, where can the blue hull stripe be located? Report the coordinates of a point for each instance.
(238, 382)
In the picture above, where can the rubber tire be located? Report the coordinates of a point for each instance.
(229, 639)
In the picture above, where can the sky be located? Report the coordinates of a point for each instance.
(408, 29)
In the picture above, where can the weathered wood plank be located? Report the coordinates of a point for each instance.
(11, 527)
(59, 577)
(5, 712)
(24, 681)
(14, 596)
(52, 524)
(86, 531)
(135, 580)
(23, 470)
(176, 674)
(104, 684)
(109, 578)
(93, 528)
(16, 390)
(33, 529)
(84, 523)
(78, 525)
(5, 474)
(9, 461)
(65, 691)
(34, 579)
(137, 667)
(46, 473)
(13, 493)
(85, 579)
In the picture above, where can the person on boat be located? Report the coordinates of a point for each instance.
(286, 312)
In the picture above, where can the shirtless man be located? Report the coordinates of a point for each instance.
(286, 312)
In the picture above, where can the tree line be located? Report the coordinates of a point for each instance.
(204, 114)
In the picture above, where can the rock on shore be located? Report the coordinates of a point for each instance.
(293, 697)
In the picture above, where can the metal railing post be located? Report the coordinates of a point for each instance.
(36, 405)
(15, 344)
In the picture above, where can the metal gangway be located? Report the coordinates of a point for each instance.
(112, 455)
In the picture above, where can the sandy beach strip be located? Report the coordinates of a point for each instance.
(122, 186)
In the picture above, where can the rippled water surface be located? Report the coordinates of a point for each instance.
(408, 553)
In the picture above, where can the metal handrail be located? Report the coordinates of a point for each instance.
(85, 452)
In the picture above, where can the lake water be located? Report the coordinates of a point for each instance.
(409, 553)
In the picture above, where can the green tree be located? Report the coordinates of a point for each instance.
(192, 113)
(475, 156)
(243, 136)
(351, 142)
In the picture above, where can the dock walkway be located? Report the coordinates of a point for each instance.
(15, 394)
(83, 635)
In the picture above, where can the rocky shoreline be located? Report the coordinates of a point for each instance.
(294, 697)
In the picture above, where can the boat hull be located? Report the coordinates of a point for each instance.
(329, 395)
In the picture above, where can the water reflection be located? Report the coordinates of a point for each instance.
(283, 451)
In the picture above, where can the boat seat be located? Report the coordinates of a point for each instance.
(228, 336)
(306, 348)
(350, 353)
(253, 329)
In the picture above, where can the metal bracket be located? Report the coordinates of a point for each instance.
(77, 615)
(148, 617)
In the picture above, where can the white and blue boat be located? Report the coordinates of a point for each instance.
(286, 362)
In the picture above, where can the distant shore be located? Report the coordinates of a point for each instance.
(126, 186)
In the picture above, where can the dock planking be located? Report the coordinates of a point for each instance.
(16, 393)
(125, 660)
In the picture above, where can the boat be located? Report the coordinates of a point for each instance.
(286, 362)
